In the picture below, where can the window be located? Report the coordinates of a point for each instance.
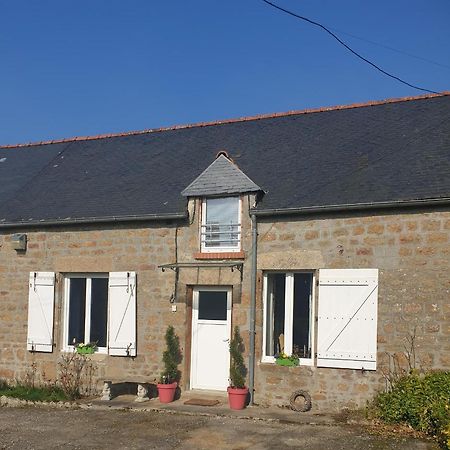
(288, 315)
(101, 308)
(346, 320)
(221, 228)
(212, 305)
(98, 308)
(87, 310)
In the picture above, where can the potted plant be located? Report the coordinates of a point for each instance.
(285, 360)
(86, 349)
(171, 375)
(237, 391)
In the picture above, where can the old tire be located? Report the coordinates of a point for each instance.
(302, 406)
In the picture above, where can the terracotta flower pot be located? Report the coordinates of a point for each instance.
(166, 392)
(237, 397)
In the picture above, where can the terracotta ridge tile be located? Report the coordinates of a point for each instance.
(228, 121)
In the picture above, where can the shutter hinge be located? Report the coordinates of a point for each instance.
(130, 285)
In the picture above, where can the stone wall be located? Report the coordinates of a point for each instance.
(85, 249)
(411, 251)
(97, 248)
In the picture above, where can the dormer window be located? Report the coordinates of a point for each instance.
(221, 186)
(221, 225)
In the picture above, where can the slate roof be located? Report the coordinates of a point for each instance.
(391, 151)
(220, 177)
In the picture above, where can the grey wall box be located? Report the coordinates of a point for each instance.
(19, 241)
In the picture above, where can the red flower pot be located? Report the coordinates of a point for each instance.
(166, 392)
(237, 397)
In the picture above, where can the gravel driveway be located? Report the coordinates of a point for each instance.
(42, 428)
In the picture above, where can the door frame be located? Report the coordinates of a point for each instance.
(194, 323)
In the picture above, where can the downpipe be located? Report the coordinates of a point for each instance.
(252, 331)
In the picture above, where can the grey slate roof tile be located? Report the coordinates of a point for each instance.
(389, 152)
(219, 178)
(19, 165)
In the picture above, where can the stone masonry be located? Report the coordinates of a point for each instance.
(103, 249)
(411, 249)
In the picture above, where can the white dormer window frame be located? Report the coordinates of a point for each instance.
(223, 236)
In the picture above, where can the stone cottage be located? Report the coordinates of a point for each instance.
(321, 233)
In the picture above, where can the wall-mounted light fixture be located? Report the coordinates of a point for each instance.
(19, 241)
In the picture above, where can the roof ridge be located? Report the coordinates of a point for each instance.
(228, 121)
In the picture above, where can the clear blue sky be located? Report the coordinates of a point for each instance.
(88, 67)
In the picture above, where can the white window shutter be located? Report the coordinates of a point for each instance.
(41, 299)
(122, 314)
(347, 328)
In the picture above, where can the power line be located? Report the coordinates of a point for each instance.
(401, 52)
(317, 24)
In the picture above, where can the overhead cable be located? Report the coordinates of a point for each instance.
(317, 24)
(392, 49)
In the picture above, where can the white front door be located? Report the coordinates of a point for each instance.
(211, 327)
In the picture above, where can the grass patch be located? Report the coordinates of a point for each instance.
(419, 400)
(35, 394)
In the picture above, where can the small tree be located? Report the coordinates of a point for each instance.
(171, 357)
(238, 371)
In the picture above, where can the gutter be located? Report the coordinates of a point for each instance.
(92, 220)
(255, 212)
(351, 207)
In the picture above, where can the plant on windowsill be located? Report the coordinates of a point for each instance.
(285, 360)
(86, 349)
(237, 391)
(171, 375)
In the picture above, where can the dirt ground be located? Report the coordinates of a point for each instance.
(42, 428)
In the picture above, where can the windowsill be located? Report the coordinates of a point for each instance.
(101, 351)
(220, 255)
(269, 360)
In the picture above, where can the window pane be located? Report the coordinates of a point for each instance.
(222, 210)
(212, 305)
(77, 310)
(222, 222)
(276, 287)
(99, 311)
(301, 344)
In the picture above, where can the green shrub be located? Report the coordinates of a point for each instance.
(172, 357)
(37, 394)
(238, 371)
(422, 401)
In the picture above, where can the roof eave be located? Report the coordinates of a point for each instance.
(351, 207)
(95, 220)
(221, 193)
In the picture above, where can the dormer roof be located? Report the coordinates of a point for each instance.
(221, 177)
